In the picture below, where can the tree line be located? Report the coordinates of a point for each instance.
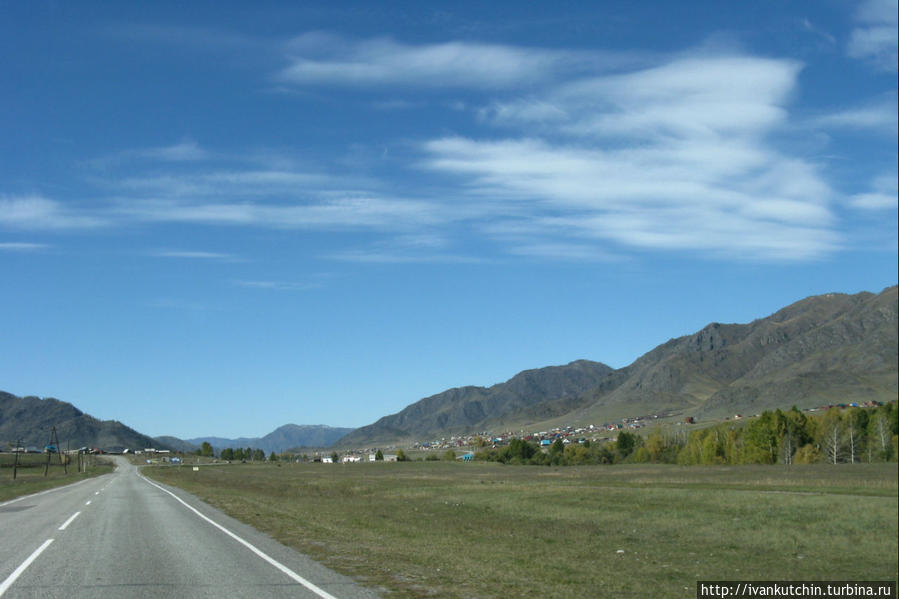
(788, 437)
(241, 454)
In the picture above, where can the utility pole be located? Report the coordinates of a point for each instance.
(52, 446)
(15, 465)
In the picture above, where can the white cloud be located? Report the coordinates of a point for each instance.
(671, 157)
(37, 212)
(883, 195)
(278, 285)
(876, 38)
(553, 250)
(186, 150)
(878, 117)
(387, 256)
(199, 255)
(318, 58)
(344, 213)
(686, 97)
(22, 246)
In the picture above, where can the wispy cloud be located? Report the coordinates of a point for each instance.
(414, 248)
(876, 36)
(35, 212)
(879, 116)
(671, 157)
(883, 194)
(383, 256)
(344, 213)
(187, 150)
(321, 58)
(279, 285)
(192, 255)
(22, 246)
(596, 156)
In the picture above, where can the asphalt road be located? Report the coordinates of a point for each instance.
(121, 535)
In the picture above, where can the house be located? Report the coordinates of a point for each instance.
(326, 459)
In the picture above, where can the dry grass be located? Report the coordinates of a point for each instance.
(487, 530)
(30, 476)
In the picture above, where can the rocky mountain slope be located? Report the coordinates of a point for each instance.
(534, 393)
(30, 419)
(824, 349)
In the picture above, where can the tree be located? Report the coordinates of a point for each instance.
(273, 457)
(831, 435)
(206, 450)
(655, 445)
(449, 455)
(557, 447)
(401, 456)
(879, 431)
(713, 448)
(228, 454)
(379, 457)
(760, 440)
(641, 456)
(334, 457)
(625, 444)
(854, 422)
(807, 454)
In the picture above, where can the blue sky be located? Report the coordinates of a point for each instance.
(219, 217)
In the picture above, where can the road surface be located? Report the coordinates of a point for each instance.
(121, 535)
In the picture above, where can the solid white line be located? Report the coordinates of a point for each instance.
(18, 571)
(293, 575)
(69, 521)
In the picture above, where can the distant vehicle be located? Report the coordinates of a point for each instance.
(51, 449)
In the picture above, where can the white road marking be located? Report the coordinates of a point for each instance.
(88, 502)
(18, 571)
(69, 521)
(290, 573)
(53, 490)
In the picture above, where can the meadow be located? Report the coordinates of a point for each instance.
(30, 478)
(445, 529)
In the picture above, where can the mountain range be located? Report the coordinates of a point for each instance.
(29, 421)
(289, 436)
(832, 348)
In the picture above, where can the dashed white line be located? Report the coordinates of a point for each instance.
(69, 521)
(88, 502)
(18, 571)
(290, 573)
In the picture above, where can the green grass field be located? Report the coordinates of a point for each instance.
(448, 529)
(30, 473)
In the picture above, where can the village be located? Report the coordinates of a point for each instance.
(607, 432)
